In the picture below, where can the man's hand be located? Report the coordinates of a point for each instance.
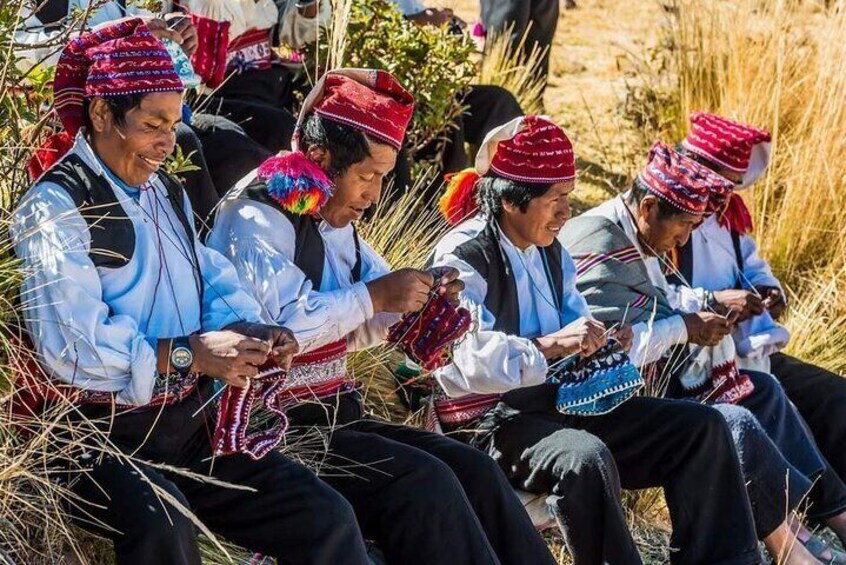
(625, 335)
(229, 356)
(283, 345)
(406, 290)
(582, 337)
(160, 30)
(744, 303)
(706, 328)
(181, 24)
(449, 285)
(773, 300)
(436, 17)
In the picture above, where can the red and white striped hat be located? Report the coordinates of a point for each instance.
(681, 181)
(528, 149)
(369, 100)
(739, 147)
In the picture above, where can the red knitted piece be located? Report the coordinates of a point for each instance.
(273, 392)
(681, 181)
(122, 58)
(209, 60)
(425, 336)
(723, 141)
(382, 108)
(540, 153)
(250, 51)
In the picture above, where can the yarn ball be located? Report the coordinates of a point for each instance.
(296, 183)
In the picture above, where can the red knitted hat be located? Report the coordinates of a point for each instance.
(528, 149)
(736, 146)
(118, 59)
(681, 181)
(368, 100)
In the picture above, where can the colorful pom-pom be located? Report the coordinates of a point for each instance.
(53, 149)
(297, 184)
(459, 200)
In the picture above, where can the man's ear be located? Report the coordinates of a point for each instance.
(320, 156)
(509, 207)
(648, 208)
(100, 115)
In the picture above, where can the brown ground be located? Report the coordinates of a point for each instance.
(596, 54)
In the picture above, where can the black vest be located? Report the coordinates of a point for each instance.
(485, 254)
(309, 249)
(112, 232)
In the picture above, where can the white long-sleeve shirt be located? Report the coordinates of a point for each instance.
(97, 327)
(260, 241)
(488, 361)
(651, 339)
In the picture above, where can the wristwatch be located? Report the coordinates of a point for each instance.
(181, 356)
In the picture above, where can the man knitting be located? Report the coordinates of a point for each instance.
(133, 318)
(520, 287)
(720, 266)
(289, 229)
(619, 249)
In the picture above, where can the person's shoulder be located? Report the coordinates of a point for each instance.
(463, 233)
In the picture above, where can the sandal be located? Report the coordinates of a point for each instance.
(818, 547)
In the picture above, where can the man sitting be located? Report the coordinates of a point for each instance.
(422, 497)
(619, 249)
(520, 287)
(721, 264)
(133, 314)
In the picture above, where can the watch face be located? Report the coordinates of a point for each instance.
(181, 358)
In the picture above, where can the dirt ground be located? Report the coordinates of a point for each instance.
(595, 55)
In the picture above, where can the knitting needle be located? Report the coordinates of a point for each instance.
(210, 400)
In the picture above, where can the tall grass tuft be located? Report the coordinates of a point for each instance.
(780, 65)
(508, 66)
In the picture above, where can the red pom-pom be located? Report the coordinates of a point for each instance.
(459, 201)
(736, 216)
(53, 149)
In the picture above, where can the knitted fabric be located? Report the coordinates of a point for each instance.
(723, 141)
(251, 420)
(119, 59)
(368, 100)
(528, 149)
(681, 181)
(597, 384)
(426, 336)
(209, 59)
(297, 184)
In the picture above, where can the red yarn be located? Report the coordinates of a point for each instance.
(425, 336)
(736, 216)
(458, 202)
(53, 149)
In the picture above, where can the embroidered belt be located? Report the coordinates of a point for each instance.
(452, 413)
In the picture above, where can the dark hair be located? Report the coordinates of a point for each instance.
(639, 190)
(346, 146)
(492, 189)
(119, 105)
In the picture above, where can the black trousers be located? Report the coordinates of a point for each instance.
(646, 442)
(820, 397)
(261, 103)
(424, 498)
(537, 19)
(291, 515)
